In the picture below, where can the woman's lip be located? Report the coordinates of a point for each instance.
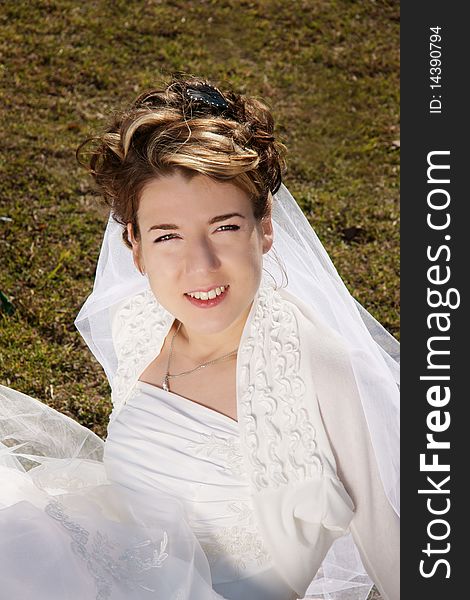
(208, 303)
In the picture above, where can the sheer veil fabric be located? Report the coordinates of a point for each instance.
(54, 484)
(67, 532)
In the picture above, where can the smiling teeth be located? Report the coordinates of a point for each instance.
(208, 295)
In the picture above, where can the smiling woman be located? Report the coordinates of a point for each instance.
(203, 266)
(201, 257)
(252, 451)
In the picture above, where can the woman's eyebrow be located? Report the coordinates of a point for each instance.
(210, 222)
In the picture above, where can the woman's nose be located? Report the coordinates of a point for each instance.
(201, 256)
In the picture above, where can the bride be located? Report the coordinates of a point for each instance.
(252, 450)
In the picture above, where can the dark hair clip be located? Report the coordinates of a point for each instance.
(207, 94)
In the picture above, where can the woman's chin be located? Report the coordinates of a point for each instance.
(207, 322)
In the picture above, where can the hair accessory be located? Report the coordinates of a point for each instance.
(207, 94)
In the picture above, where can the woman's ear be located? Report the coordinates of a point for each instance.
(267, 226)
(136, 253)
(267, 233)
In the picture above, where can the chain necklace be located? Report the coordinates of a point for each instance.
(165, 383)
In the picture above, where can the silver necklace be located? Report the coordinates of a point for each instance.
(166, 379)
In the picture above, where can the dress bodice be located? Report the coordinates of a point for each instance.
(163, 442)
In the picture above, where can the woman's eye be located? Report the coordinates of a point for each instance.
(234, 227)
(164, 238)
(170, 236)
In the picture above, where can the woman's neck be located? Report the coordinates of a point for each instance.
(199, 347)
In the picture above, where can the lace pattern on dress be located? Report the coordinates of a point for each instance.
(273, 403)
(139, 328)
(107, 561)
(240, 544)
(225, 448)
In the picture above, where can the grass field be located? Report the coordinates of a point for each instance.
(328, 69)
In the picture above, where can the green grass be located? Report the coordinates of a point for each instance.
(328, 69)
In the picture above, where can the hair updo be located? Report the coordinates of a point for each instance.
(167, 130)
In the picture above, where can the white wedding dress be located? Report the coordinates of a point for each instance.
(162, 509)
(68, 532)
(84, 519)
(192, 452)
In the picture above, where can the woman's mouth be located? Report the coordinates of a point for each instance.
(205, 300)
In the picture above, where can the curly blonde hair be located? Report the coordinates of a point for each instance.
(167, 130)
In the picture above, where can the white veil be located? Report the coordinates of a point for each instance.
(313, 278)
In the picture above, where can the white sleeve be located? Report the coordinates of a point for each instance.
(375, 526)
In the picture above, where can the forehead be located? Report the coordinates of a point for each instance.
(198, 197)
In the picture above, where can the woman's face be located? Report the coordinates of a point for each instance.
(197, 235)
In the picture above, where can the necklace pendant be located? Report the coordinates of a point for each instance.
(165, 384)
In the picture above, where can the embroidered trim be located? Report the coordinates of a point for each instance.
(237, 544)
(139, 328)
(226, 448)
(126, 568)
(273, 401)
(240, 544)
